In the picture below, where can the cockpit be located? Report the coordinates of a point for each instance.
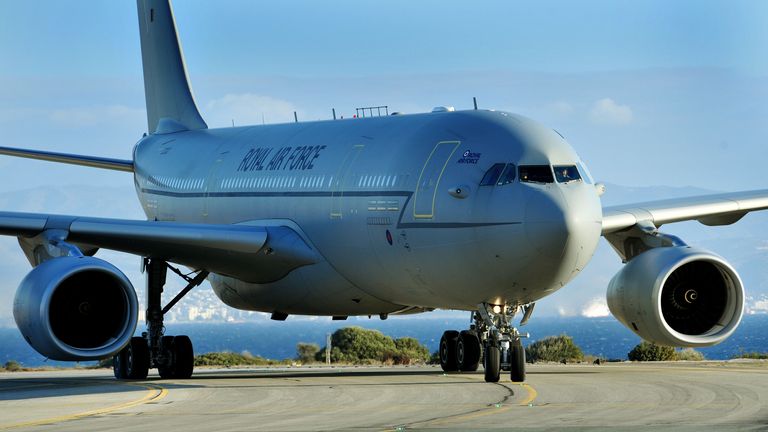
(501, 174)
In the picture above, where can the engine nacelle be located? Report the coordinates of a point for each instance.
(678, 296)
(76, 308)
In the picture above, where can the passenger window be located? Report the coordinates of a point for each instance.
(566, 173)
(536, 174)
(508, 176)
(492, 175)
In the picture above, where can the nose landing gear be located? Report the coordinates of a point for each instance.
(491, 338)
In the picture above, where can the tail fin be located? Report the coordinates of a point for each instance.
(170, 104)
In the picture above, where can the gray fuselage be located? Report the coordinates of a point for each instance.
(392, 205)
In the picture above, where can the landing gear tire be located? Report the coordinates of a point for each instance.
(492, 364)
(132, 362)
(468, 351)
(166, 370)
(448, 351)
(517, 362)
(180, 358)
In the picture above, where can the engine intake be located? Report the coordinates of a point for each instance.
(76, 308)
(678, 296)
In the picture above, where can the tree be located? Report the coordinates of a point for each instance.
(555, 349)
(306, 352)
(648, 351)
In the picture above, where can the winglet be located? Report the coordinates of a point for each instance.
(166, 85)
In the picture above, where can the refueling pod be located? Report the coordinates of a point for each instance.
(76, 308)
(678, 296)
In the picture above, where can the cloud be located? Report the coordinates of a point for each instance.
(596, 308)
(97, 115)
(606, 111)
(564, 312)
(759, 306)
(248, 109)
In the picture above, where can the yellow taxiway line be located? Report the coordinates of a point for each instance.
(491, 410)
(154, 393)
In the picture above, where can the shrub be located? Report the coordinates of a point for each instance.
(106, 363)
(307, 352)
(647, 351)
(357, 345)
(12, 366)
(228, 359)
(588, 358)
(554, 349)
(689, 354)
(410, 351)
(751, 355)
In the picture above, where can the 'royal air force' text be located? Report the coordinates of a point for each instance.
(299, 158)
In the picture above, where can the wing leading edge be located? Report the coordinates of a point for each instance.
(249, 252)
(89, 161)
(712, 210)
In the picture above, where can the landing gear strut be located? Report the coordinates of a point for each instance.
(173, 356)
(491, 338)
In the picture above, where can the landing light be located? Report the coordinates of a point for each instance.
(497, 309)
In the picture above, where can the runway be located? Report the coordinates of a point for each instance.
(634, 397)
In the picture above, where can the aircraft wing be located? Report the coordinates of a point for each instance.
(712, 210)
(89, 161)
(251, 252)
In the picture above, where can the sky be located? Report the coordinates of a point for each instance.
(649, 93)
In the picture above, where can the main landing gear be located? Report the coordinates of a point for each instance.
(171, 355)
(491, 338)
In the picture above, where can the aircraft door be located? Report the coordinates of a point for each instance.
(429, 179)
(337, 186)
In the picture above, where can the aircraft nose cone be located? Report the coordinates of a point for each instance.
(546, 222)
(562, 230)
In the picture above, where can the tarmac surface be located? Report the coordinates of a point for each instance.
(717, 396)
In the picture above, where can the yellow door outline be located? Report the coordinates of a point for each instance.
(431, 214)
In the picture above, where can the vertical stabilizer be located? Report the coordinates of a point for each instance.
(166, 86)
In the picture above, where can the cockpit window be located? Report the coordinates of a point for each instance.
(508, 176)
(566, 173)
(585, 175)
(536, 174)
(492, 175)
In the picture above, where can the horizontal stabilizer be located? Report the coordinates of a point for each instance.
(90, 161)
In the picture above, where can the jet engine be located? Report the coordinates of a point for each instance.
(678, 296)
(76, 308)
